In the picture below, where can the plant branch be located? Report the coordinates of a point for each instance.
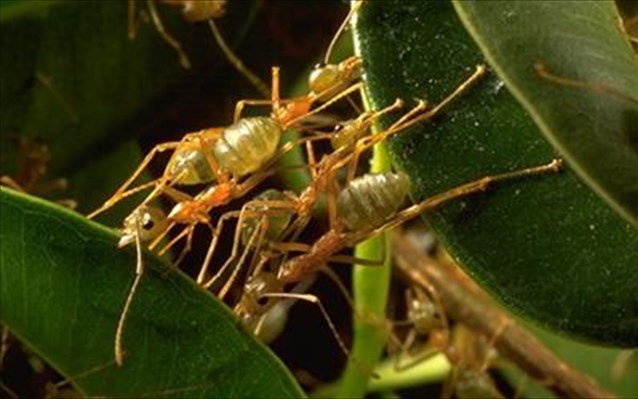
(464, 302)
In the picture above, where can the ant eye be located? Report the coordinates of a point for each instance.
(148, 224)
(263, 301)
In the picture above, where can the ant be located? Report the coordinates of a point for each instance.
(376, 213)
(225, 155)
(348, 143)
(193, 10)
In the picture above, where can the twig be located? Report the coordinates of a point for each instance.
(463, 303)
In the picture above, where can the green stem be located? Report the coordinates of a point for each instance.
(434, 369)
(371, 286)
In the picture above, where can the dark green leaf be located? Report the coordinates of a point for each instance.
(72, 79)
(63, 285)
(594, 126)
(547, 247)
(14, 8)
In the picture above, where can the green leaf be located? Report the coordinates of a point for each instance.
(10, 9)
(63, 286)
(547, 247)
(596, 130)
(72, 79)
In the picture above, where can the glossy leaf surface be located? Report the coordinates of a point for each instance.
(590, 113)
(547, 247)
(63, 286)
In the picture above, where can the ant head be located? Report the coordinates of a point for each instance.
(325, 77)
(146, 223)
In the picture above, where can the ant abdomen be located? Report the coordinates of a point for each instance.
(370, 200)
(241, 148)
(326, 80)
(190, 166)
(246, 146)
(200, 10)
(273, 225)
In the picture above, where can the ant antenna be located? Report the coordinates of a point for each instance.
(257, 83)
(355, 7)
(139, 270)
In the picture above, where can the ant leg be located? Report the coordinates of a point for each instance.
(174, 43)
(234, 60)
(417, 113)
(244, 213)
(241, 104)
(315, 300)
(464, 190)
(46, 82)
(332, 193)
(353, 10)
(292, 247)
(131, 22)
(187, 247)
(427, 315)
(275, 96)
(286, 147)
(351, 89)
(177, 196)
(358, 149)
(274, 102)
(172, 242)
(4, 344)
(139, 271)
(274, 99)
(367, 142)
(478, 74)
(298, 226)
(273, 322)
(211, 250)
(351, 260)
(259, 232)
(115, 198)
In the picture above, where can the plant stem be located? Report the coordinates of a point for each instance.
(371, 286)
(432, 370)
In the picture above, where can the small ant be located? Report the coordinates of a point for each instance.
(193, 11)
(377, 213)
